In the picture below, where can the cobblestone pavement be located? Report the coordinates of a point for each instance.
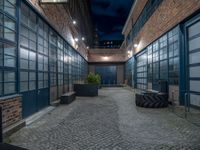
(110, 121)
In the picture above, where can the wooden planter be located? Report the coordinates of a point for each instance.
(86, 89)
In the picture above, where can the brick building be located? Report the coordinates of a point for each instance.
(41, 57)
(163, 37)
(43, 52)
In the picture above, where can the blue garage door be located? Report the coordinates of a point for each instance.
(193, 42)
(108, 74)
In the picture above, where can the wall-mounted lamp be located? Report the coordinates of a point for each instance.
(105, 58)
(76, 39)
(83, 39)
(135, 45)
(74, 22)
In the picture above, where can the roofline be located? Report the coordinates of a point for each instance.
(129, 16)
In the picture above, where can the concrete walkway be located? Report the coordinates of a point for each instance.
(108, 122)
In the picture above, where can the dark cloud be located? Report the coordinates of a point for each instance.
(109, 16)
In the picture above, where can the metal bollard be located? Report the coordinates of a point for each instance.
(1, 126)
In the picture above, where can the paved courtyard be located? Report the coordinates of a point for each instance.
(108, 122)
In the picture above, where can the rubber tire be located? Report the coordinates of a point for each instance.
(151, 101)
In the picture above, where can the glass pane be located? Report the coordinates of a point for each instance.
(23, 86)
(1, 19)
(32, 56)
(24, 31)
(24, 14)
(1, 5)
(32, 36)
(23, 53)
(195, 72)
(1, 31)
(194, 44)
(194, 29)
(32, 22)
(32, 45)
(23, 76)
(9, 34)
(195, 99)
(40, 76)
(32, 76)
(40, 84)
(12, 1)
(9, 76)
(194, 86)
(10, 8)
(9, 61)
(32, 65)
(1, 54)
(194, 58)
(9, 88)
(24, 41)
(9, 23)
(32, 85)
(23, 64)
(9, 50)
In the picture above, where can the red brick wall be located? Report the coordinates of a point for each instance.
(169, 14)
(139, 5)
(11, 110)
(106, 55)
(60, 19)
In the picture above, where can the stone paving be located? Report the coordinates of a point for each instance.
(110, 121)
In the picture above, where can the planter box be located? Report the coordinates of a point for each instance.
(67, 98)
(86, 89)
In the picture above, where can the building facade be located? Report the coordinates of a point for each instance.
(39, 62)
(163, 36)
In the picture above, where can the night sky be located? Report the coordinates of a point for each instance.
(109, 16)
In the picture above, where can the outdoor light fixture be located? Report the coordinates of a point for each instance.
(76, 39)
(105, 57)
(87, 47)
(74, 22)
(83, 39)
(135, 45)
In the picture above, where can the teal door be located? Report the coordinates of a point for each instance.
(193, 62)
(108, 74)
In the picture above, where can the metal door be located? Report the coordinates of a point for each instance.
(108, 74)
(193, 62)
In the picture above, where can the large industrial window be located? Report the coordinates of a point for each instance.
(142, 70)
(8, 46)
(60, 61)
(8, 6)
(7, 69)
(28, 46)
(53, 58)
(70, 65)
(155, 65)
(129, 71)
(150, 65)
(173, 40)
(66, 64)
(163, 58)
(42, 55)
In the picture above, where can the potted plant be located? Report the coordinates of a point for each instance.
(90, 88)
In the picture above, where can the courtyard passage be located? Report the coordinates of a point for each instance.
(110, 121)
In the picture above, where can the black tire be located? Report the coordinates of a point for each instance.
(151, 100)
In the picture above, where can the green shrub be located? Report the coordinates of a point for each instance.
(93, 78)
